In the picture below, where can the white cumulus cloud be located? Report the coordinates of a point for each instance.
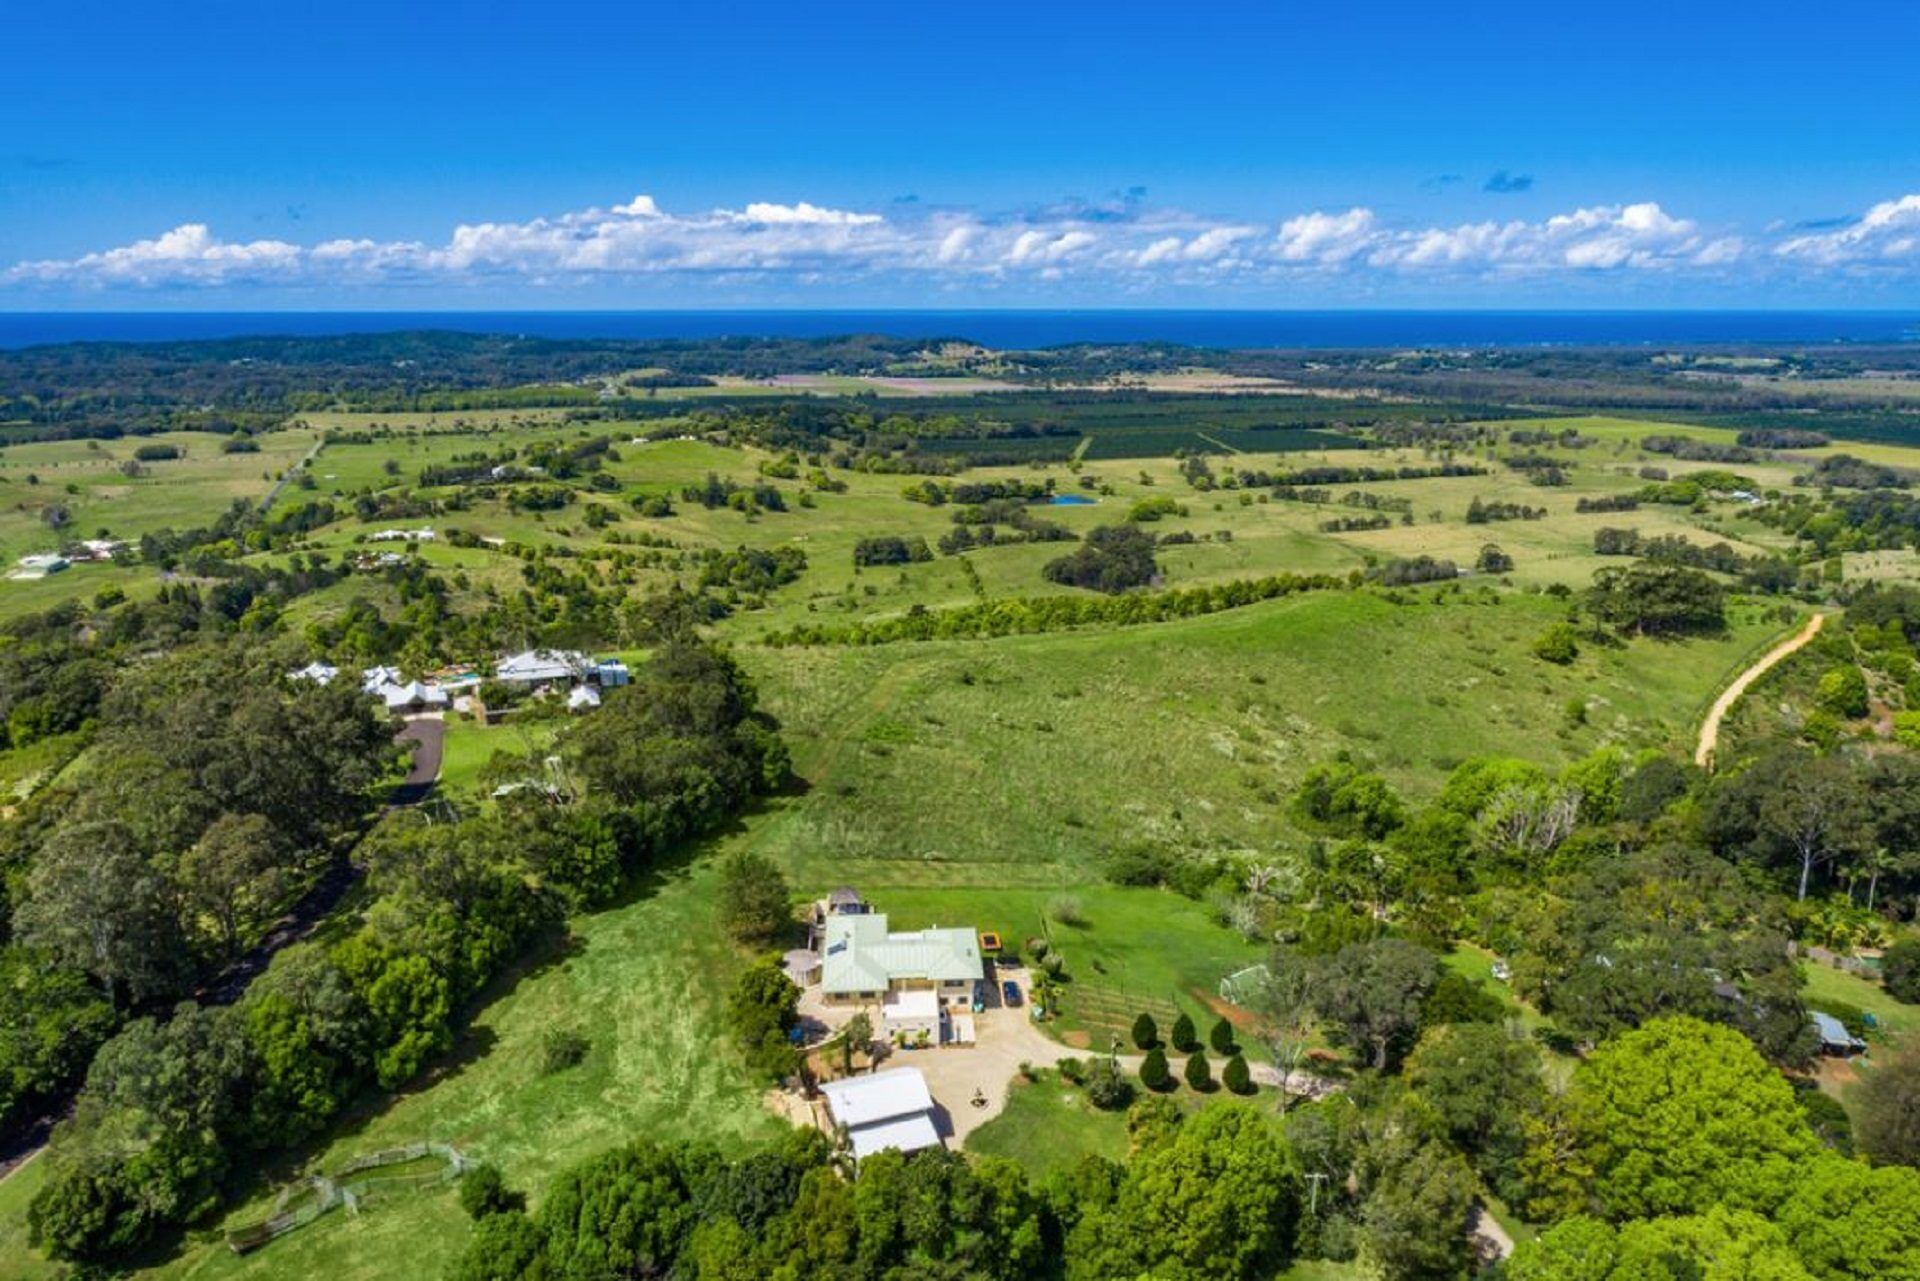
(1130, 245)
(1888, 233)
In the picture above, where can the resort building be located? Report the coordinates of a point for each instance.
(543, 667)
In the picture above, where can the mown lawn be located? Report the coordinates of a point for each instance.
(470, 746)
(1130, 949)
(18, 1262)
(1824, 982)
(1048, 1125)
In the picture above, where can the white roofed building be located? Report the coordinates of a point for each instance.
(318, 672)
(414, 696)
(890, 1109)
(542, 666)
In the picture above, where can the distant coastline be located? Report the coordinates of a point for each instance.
(1015, 329)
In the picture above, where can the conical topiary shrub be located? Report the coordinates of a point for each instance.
(1221, 1038)
(1184, 1038)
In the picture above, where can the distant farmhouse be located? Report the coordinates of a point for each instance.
(582, 678)
(39, 566)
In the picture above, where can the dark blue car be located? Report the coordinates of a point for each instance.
(1010, 992)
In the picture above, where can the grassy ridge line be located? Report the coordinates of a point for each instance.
(1030, 614)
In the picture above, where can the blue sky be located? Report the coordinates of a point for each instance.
(1278, 154)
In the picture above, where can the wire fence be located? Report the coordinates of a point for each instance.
(302, 1202)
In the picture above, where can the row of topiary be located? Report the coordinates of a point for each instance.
(1155, 1073)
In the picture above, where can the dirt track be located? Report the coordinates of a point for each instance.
(1710, 728)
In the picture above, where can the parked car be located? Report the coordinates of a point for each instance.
(1502, 971)
(1010, 992)
(979, 995)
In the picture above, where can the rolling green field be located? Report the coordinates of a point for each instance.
(85, 478)
(643, 981)
(952, 782)
(1238, 534)
(1021, 761)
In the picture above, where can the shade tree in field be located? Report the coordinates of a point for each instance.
(1112, 559)
(755, 904)
(1650, 599)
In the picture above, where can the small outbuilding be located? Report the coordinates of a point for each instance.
(890, 1109)
(911, 1016)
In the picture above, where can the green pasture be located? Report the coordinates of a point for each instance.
(84, 476)
(644, 981)
(1022, 761)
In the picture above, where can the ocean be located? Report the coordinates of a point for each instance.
(1018, 329)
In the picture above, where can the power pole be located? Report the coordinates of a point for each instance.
(1313, 1198)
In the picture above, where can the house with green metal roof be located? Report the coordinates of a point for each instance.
(863, 961)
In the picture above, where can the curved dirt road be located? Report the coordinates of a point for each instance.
(1710, 729)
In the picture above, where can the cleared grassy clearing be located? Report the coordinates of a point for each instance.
(469, 746)
(1239, 534)
(1825, 983)
(1048, 1125)
(1041, 753)
(18, 1262)
(1132, 949)
(644, 982)
(85, 478)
